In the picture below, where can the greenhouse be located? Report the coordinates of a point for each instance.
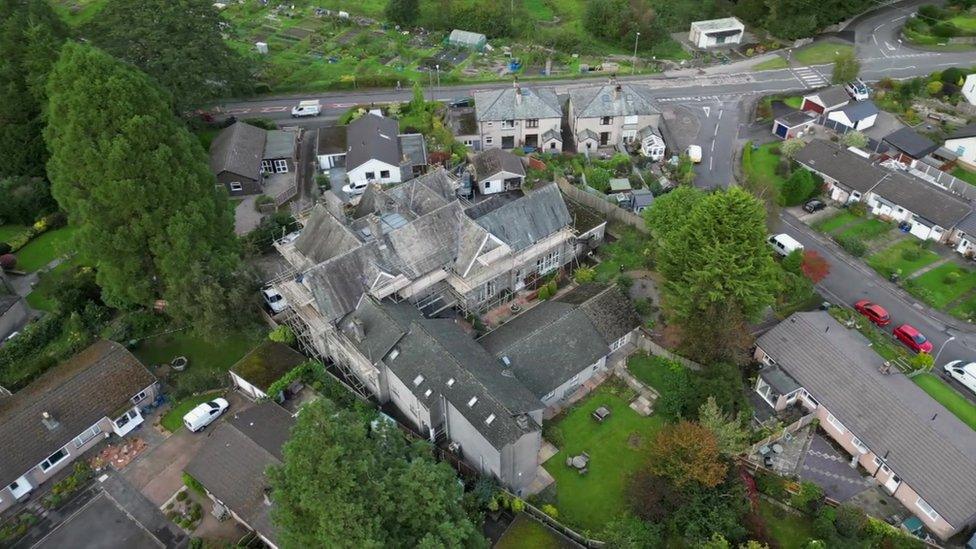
(465, 39)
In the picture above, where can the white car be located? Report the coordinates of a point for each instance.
(205, 414)
(354, 189)
(274, 300)
(858, 90)
(306, 108)
(963, 373)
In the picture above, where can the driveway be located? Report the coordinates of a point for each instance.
(831, 469)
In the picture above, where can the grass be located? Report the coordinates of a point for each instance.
(961, 173)
(762, 168)
(616, 449)
(651, 370)
(527, 533)
(771, 64)
(835, 222)
(933, 288)
(865, 229)
(624, 254)
(173, 420)
(790, 531)
(9, 232)
(966, 22)
(948, 397)
(794, 101)
(821, 53)
(44, 248)
(42, 298)
(892, 259)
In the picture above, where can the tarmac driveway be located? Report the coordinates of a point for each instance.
(831, 470)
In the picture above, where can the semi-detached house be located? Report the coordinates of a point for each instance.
(519, 117)
(910, 445)
(611, 114)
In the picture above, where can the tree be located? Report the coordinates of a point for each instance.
(854, 139)
(798, 188)
(846, 67)
(630, 532)
(708, 511)
(344, 483)
(687, 453)
(667, 214)
(403, 12)
(730, 431)
(179, 44)
(147, 212)
(814, 266)
(25, 199)
(652, 497)
(31, 35)
(790, 147)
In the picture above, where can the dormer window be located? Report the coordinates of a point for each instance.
(418, 380)
(450, 382)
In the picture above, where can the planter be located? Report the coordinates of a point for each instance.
(179, 363)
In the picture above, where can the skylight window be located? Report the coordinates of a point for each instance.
(489, 419)
(418, 380)
(450, 382)
(427, 393)
(394, 353)
(472, 402)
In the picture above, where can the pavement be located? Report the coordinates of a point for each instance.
(830, 469)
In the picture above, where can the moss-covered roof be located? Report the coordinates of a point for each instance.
(267, 363)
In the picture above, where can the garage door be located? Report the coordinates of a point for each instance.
(781, 130)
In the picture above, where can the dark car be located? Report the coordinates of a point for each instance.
(914, 339)
(461, 102)
(875, 313)
(814, 205)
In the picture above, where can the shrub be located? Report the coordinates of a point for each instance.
(8, 261)
(952, 277)
(793, 262)
(322, 180)
(550, 510)
(282, 334)
(945, 29)
(5, 248)
(182, 495)
(853, 245)
(772, 485)
(933, 88)
(797, 188)
(849, 520)
(809, 498)
(193, 484)
(625, 281)
(823, 525)
(859, 209)
(544, 293)
(911, 254)
(584, 275)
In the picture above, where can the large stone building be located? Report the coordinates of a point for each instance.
(519, 117)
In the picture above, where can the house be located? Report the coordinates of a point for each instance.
(254, 374)
(651, 144)
(519, 117)
(497, 170)
(67, 411)
(559, 345)
(969, 89)
(331, 147)
(241, 155)
(13, 314)
(859, 115)
(930, 212)
(716, 32)
(463, 123)
(918, 451)
(848, 177)
(963, 143)
(611, 114)
(232, 465)
(908, 147)
(377, 152)
(793, 124)
(467, 39)
(825, 100)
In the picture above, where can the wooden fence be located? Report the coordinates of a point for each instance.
(608, 209)
(647, 345)
(556, 525)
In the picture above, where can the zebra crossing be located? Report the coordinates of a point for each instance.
(809, 77)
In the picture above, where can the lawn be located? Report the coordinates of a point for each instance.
(966, 22)
(41, 297)
(762, 167)
(821, 53)
(795, 101)
(948, 397)
(616, 449)
(836, 221)
(528, 533)
(42, 249)
(627, 253)
(865, 229)
(965, 175)
(892, 259)
(771, 64)
(649, 369)
(9, 232)
(790, 531)
(173, 420)
(934, 286)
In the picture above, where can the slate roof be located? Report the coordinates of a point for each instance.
(859, 110)
(238, 149)
(911, 143)
(279, 144)
(525, 221)
(837, 366)
(232, 463)
(778, 379)
(968, 224)
(91, 385)
(7, 301)
(832, 96)
(606, 100)
(796, 118)
(332, 140)
(552, 135)
(555, 340)
(414, 149)
(850, 170)
(324, 237)
(923, 199)
(372, 137)
(502, 104)
(588, 134)
(267, 363)
(964, 132)
(493, 161)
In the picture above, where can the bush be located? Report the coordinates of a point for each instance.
(858, 209)
(945, 29)
(853, 245)
(952, 277)
(134, 325)
(5, 248)
(322, 180)
(282, 334)
(8, 261)
(182, 495)
(809, 498)
(261, 201)
(799, 187)
(849, 520)
(772, 485)
(550, 510)
(911, 254)
(625, 281)
(584, 275)
(193, 484)
(933, 88)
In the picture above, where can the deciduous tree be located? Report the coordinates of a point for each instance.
(403, 12)
(797, 188)
(854, 139)
(846, 67)
(630, 532)
(790, 147)
(814, 266)
(687, 453)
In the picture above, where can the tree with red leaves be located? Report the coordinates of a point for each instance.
(814, 266)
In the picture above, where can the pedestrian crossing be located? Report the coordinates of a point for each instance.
(809, 77)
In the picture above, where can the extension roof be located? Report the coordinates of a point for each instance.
(794, 118)
(964, 132)
(332, 140)
(859, 110)
(93, 384)
(830, 97)
(494, 161)
(373, 137)
(608, 100)
(238, 149)
(889, 414)
(911, 143)
(267, 363)
(502, 104)
(414, 149)
(416, 197)
(279, 144)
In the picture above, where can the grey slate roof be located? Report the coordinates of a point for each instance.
(849, 169)
(372, 137)
(525, 221)
(324, 237)
(555, 340)
(968, 224)
(588, 134)
(7, 301)
(832, 96)
(502, 104)
(606, 100)
(911, 143)
(493, 161)
(332, 140)
(963, 132)
(232, 463)
(279, 144)
(93, 384)
(778, 379)
(414, 149)
(238, 149)
(552, 135)
(923, 199)
(839, 368)
(859, 110)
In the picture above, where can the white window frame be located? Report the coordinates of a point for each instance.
(87, 436)
(267, 166)
(836, 423)
(280, 165)
(532, 123)
(574, 379)
(860, 445)
(387, 172)
(508, 124)
(140, 396)
(549, 395)
(47, 464)
(547, 263)
(924, 507)
(236, 186)
(620, 342)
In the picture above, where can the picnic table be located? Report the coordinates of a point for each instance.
(580, 461)
(601, 413)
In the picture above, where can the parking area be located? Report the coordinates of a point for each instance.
(830, 468)
(101, 523)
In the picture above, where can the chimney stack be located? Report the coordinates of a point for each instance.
(518, 91)
(49, 421)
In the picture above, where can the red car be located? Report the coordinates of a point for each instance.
(875, 313)
(913, 339)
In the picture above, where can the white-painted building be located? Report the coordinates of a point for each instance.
(963, 143)
(716, 32)
(969, 89)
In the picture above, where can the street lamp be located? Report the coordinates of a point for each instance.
(437, 84)
(634, 68)
(946, 342)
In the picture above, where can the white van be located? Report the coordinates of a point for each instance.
(784, 244)
(963, 373)
(306, 108)
(204, 414)
(356, 188)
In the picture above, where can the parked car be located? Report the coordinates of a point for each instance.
(306, 108)
(275, 302)
(461, 102)
(814, 205)
(912, 338)
(205, 414)
(354, 189)
(784, 244)
(875, 313)
(858, 90)
(963, 373)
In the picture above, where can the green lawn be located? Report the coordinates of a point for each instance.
(762, 168)
(616, 449)
(795, 101)
(892, 259)
(836, 221)
(965, 175)
(43, 249)
(528, 533)
(948, 397)
(865, 229)
(629, 252)
(789, 531)
(650, 369)
(771, 64)
(966, 22)
(933, 287)
(820, 53)
(8, 232)
(41, 297)
(173, 420)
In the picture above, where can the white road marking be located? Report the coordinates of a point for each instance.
(274, 109)
(715, 133)
(710, 159)
(707, 111)
(237, 111)
(720, 111)
(713, 145)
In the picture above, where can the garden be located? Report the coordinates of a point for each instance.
(902, 258)
(631, 251)
(774, 178)
(528, 533)
(945, 395)
(820, 53)
(952, 25)
(944, 286)
(854, 229)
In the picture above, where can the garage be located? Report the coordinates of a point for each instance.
(793, 124)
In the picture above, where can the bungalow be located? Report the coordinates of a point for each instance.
(963, 143)
(847, 176)
(519, 117)
(242, 154)
(379, 153)
(859, 115)
(66, 412)
(930, 212)
(497, 171)
(254, 374)
(825, 100)
(716, 32)
(615, 113)
(793, 124)
(908, 147)
(907, 443)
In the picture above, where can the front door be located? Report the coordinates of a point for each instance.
(604, 138)
(508, 142)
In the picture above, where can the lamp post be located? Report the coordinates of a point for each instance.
(946, 342)
(633, 69)
(437, 84)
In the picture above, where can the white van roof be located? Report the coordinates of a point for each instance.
(787, 240)
(309, 103)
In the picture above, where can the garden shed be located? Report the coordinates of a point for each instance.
(467, 39)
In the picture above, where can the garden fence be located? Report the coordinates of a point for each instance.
(645, 344)
(558, 526)
(609, 210)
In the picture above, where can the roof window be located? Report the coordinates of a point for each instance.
(489, 419)
(418, 380)
(472, 402)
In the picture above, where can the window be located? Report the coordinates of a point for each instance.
(574, 379)
(385, 174)
(281, 166)
(508, 124)
(427, 393)
(552, 145)
(836, 423)
(489, 139)
(370, 175)
(472, 402)
(235, 186)
(489, 419)
(606, 121)
(138, 398)
(54, 459)
(547, 263)
(532, 123)
(393, 354)
(490, 124)
(860, 445)
(813, 402)
(926, 508)
(418, 380)
(549, 395)
(450, 382)
(266, 166)
(487, 185)
(85, 437)
(619, 343)
(468, 143)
